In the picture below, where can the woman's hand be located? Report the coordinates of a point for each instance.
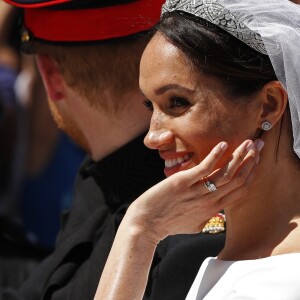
(179, 204)
(183, 204)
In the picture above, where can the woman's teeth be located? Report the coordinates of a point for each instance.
(169, 163)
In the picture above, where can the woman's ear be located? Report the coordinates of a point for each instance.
(274, 100)
(52, 77)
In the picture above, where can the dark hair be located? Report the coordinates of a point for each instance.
(215, 52)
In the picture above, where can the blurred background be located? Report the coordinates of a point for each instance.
(38, 163)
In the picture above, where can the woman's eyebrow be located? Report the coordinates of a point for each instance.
(168, 87)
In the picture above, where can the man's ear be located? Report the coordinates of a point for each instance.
(274, 101)
(52, 77)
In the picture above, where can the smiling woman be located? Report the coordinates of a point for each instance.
(187, 105)
(221, 82)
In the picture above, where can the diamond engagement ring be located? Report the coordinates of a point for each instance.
(209, 185)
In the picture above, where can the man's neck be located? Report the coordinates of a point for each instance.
(107, 130)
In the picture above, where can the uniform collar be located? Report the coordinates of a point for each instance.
(126, 173)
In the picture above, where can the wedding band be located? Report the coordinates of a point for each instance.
(209, 185)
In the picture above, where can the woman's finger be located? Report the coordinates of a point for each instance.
(238, 186)
(247, 149)
(223, 176)
(207, 165)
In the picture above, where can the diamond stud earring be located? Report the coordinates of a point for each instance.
(266, 125)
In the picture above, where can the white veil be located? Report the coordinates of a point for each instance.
(278, 24)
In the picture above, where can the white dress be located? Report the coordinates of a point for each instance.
(271, 278)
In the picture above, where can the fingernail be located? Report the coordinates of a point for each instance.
(260, 145)
(223, 146)
(250, 146)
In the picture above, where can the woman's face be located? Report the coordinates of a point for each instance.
(190, 112)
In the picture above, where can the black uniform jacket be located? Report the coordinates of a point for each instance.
(103, 191)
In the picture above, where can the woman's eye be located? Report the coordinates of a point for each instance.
(179, 102)
(148, 104)
(175, 103)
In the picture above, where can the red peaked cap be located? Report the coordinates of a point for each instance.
(62, 21)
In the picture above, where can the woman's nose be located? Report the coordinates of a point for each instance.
(158, 139)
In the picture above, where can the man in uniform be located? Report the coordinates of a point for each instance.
(88, 54)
